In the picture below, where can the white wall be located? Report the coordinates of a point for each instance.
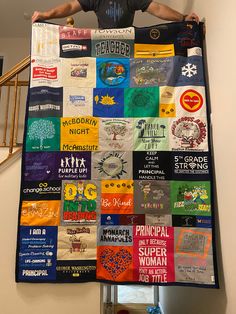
(220, 40)
(14, 50)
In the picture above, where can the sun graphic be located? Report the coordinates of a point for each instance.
(107, 100)
(112, 165)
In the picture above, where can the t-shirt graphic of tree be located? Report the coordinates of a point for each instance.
(41, 130)
(116, 129)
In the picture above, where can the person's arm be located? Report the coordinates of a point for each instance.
(62, 10)
(166, 13)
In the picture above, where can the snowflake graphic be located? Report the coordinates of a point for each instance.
(189, 70)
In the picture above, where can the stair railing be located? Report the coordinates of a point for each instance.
(12, 106)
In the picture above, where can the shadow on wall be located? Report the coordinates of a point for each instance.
(144, 19)
(188, 300)
(188, 6)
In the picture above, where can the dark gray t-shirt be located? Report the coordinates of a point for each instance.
(114, 13)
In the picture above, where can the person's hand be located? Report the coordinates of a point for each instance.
(192, 17)
(37, 16)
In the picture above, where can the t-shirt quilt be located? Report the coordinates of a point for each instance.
(117, 182)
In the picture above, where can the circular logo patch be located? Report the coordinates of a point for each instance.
(112, 73)
(112, 165)
(191, 100)
(155, 33)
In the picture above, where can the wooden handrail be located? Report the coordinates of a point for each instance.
(18, 68)
(20, 83)
(6, 117)
(13, 116)
(11, 80)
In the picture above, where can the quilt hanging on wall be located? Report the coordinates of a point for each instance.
(116, 171)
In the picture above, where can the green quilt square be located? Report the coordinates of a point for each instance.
(43, 134)
(142, 102)
(191, 198)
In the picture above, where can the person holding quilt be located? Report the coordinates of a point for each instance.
(114, 13)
